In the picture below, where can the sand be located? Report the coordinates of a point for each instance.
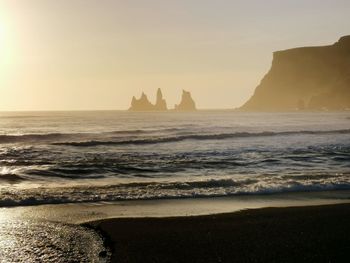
(290, 234)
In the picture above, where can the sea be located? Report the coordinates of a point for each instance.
(51, 158)
(74, 157)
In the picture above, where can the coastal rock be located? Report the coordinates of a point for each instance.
(187, 103)
(143, 104)
(308, 78)
(160, 103)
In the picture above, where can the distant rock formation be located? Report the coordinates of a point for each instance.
(160, 103)
(187, 103)
(143, 104)
(308, 78)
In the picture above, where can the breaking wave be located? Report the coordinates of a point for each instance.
(199, 137)
(118, 137)
(260, 185)
(47, 137)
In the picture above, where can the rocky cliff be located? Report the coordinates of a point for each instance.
(187, 103)
(309, 78)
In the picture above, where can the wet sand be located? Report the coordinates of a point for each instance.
(290, 234)
(183, 232)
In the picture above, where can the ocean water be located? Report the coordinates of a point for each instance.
(73, 157)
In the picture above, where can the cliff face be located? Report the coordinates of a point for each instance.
(187, 103)
(311, 78)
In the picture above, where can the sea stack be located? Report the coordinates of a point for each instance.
(142, 104)
(187, 103)
(307, 78)
(160, 103)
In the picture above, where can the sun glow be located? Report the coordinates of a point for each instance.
(3, 41)
(2, 36)
(3, 58)
(6, 49)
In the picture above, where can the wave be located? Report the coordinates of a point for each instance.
(31, 137)
(140, 131)
(199, 137)
(58, 138)
(22, 117)
(93, 198)
(14, 138)
(175, 190)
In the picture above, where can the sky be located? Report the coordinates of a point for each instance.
(97, 54)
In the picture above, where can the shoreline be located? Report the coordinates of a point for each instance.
(313, 233)
(78, 213)
(187, 214)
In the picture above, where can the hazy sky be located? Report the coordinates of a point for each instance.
(97, 54)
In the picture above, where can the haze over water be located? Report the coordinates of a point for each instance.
(69, 157)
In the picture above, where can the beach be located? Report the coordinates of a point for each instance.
(230, 229)
(290, 234)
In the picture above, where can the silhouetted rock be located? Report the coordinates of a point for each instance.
(314, 78)
(187, 103)
(160, 103)
(142, 104)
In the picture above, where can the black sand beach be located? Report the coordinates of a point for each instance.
(293, 234)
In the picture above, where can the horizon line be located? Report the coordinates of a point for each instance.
(126, 110)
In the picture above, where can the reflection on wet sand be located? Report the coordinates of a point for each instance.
(52, 233)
